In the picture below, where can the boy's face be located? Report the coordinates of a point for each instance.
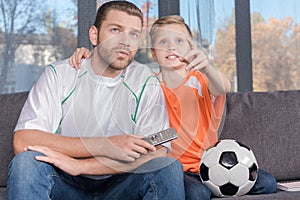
(170, 44)
(118, 39)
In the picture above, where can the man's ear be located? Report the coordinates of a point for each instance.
(93, 32)
(153, 53)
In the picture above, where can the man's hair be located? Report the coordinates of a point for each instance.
(167, 20)
(124, 6)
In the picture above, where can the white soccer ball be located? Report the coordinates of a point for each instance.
(229, 168)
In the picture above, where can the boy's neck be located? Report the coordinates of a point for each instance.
(172, 78)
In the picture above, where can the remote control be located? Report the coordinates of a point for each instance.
(161, 137)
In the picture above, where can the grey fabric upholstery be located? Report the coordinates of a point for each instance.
(266, 122)
(10, 108)
(269, 123)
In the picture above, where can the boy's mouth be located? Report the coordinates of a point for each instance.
(172, 57)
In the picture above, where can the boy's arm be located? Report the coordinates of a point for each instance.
(218, 82)
(196, 59)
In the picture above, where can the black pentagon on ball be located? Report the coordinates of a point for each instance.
(229, 189)
(204, 172)
(228, 159)
(253, 170)
(242, 145)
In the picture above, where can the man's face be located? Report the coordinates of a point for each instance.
(118, 39)
(170, 44)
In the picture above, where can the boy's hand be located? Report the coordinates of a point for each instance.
(79, 53)
(196, 58)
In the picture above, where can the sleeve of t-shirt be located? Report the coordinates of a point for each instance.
(42, 109)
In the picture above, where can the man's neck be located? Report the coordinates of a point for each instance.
(102, 69)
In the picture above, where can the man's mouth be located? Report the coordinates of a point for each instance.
(121, 53)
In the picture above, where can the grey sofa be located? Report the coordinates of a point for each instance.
(267, 122)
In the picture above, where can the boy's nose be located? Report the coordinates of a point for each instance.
(172, 48)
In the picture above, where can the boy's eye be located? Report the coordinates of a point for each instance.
(162, 42)
(179, 41)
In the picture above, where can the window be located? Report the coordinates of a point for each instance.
(213, 26)
(150, 11)
(33, 35)
(47, 31)
(275, 38)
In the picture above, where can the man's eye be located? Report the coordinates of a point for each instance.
(115, 30)
(135, 35)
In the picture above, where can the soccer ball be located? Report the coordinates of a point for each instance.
(229, 168)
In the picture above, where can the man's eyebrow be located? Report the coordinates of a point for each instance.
(121, 26)
(115, 24)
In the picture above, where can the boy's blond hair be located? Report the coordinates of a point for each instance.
(167, 20)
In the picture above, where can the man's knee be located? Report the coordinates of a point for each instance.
(26, 166)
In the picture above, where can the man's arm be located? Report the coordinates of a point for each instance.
(122, 147)
(93, 165)
(103, 165)
(70, 146)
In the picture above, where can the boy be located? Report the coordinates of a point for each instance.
(195, 95)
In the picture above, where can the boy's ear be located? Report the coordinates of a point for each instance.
(93, 33)
(153, 53)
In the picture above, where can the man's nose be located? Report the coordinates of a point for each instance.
(124, 39)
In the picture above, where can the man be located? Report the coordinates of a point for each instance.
(95, 111)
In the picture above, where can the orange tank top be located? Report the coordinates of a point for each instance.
(196, 116)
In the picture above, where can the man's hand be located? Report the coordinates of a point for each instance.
(127, 147)
(78, 55)
(67, 164)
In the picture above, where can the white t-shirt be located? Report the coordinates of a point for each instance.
(79, 103)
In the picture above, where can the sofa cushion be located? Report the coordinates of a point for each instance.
(269, 124)
(10, 108)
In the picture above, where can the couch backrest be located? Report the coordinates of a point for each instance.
(10, 108)
(269, 123)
